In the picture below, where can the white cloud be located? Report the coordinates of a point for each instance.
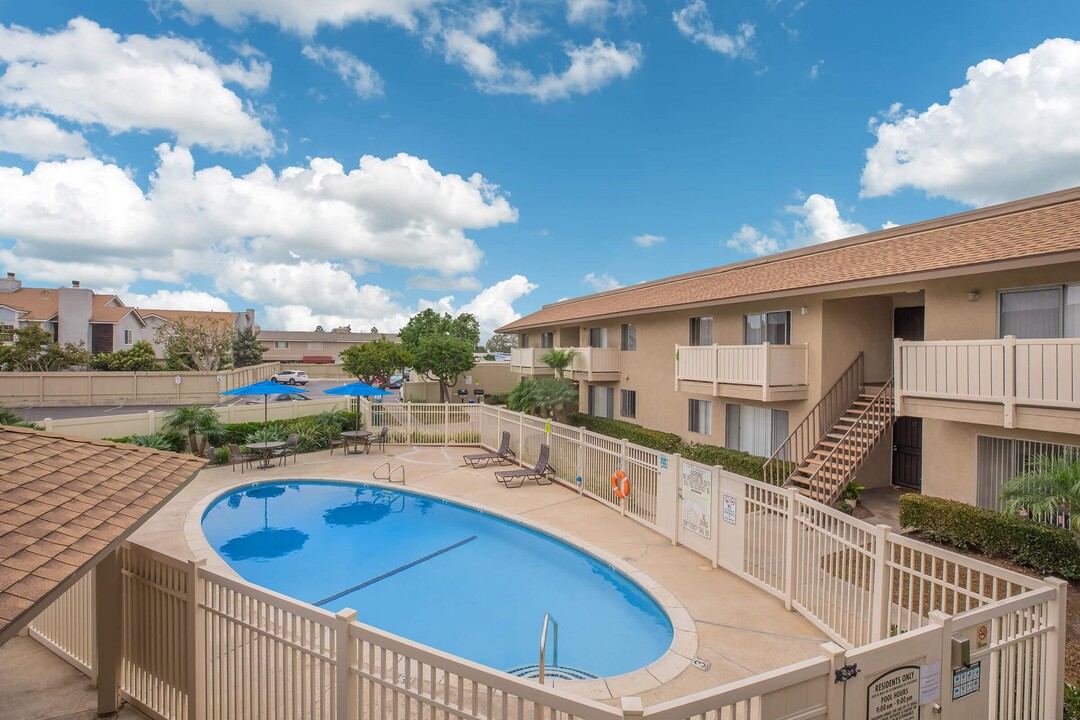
(429, 282)
(889, 224)
(1010, 131)
(91, 75)
(174, 300)
(494, 306)
(815, 69)
(39, 138)
(648, 240)
(301, 16)
(357, 74)
(596, 12)
(694, 22)
(820, 222)
(600, 282)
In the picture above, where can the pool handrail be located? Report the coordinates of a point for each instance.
(548, 620)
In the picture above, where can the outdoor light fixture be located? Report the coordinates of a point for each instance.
(973, 295)
(804, 310)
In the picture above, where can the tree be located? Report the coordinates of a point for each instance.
(374, 330)
(501, 343)
(197, 342)
(139, 356)
(34, 350)
(559, 359)
(546, 397)
(246, 348)
(441, 346)
(375, 362)
(200, 424)
(1048, 486)
(318, 328)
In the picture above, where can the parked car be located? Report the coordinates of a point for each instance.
(395, 382)
(291, 377)
(283, 397)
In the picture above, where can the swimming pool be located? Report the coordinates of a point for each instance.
(439, 573)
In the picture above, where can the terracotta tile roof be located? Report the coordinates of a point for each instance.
(38, 303)
(64, 504)
(312, 336)
(1019, 230)
(178, 314)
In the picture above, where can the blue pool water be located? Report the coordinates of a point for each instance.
(438, 573)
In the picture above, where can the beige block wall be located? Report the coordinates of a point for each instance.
(491, 377)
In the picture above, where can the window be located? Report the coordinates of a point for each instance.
(628, 403)
(756, 430)
(524, 340)
(1048, 312)
(773, 328)
(629, 337)
(547, 340)
(281, 345)
(129, 337)
(701, 331)
(700, 420)
(314, 346)
(598, 337)
(1001, 459)
(7, 332)
(601, 401)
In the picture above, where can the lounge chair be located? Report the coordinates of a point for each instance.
(542, 472)
(237, 457)
(503, 455)
(336, 442)
(292, 443)
(379, 440)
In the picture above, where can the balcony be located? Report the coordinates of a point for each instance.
(589, 364)
(1011, 383)
(770, 373)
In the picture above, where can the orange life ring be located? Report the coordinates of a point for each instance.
(620, 484)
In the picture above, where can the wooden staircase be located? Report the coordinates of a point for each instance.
(835, 459)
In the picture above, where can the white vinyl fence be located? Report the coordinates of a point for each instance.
(201, 645)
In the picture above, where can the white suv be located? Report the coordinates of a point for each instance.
(291, 377)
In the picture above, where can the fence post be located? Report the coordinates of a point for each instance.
(1055, 655)
(48, 424)
(346, 655)
(150, 422)
(408, 425)
(581, 460)
(624, 465)
(632, 708)
(834, 691)
(879, 590)
(1010, 380)
(789, 546)
(764, 372)
(196, 647)
(944, 655)
(898, 377)
(446, 432)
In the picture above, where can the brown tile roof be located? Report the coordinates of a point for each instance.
(64, 504)
(1021, 230)
(178, 314)
(38, 303)
(312, 336)
(103, 311)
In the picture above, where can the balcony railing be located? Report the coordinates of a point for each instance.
(765, 366)
(1007, 372)
(588, 363)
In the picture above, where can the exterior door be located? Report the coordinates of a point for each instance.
(908, 324)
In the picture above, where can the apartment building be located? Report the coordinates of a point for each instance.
(937, 356)
(101, 321)
(315, 346)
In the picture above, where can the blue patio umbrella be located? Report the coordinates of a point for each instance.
(266, 388)
(358, 390)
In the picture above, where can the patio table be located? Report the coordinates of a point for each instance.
(355, 436)
(266, 451)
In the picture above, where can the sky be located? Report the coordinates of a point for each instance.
(332, 162)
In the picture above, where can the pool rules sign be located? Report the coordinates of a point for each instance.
(894, 695)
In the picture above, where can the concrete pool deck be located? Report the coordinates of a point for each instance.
(737, 628)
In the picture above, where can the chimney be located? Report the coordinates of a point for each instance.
(74, 283)
(10, 283)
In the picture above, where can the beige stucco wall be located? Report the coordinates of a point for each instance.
(491, 377)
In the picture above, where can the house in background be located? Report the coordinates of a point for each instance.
(156, 318)
(938, 356)
(297, 346)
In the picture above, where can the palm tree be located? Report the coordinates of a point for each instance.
(10, 417)
(1048, 486)
(547, 397)
(558, 359)
(198, 423)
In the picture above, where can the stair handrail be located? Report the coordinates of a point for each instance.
(856, 436)
(804, 438)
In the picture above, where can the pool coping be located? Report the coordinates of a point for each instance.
(676, 659)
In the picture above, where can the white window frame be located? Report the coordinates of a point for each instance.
(281, 344)
(610, 400)
(315, 345)
(693, 413)
(773, 439)
(1063, 287)
(129, 337)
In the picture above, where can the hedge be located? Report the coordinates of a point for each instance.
(1042, 548)
(736, 461)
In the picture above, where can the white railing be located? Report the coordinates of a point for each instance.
(67, 626)
(763, 366)
(587, 360)
(528, 359)
(424, 423)
(1006, 372)
(198, 644)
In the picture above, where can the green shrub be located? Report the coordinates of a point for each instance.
(1072, 702)
(267, 433)
(496, 398)
(736, 461)
(655, 439)
(1044, 549)
(221, 456)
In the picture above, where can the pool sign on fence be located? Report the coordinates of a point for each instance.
(696, 503)
(894, 695)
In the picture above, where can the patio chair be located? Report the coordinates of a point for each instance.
(503, 455)
(238, 457)
(379, 440)
(336, 442)
(542, 472)
(292, 444)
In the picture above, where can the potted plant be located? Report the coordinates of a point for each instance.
(849, 499)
